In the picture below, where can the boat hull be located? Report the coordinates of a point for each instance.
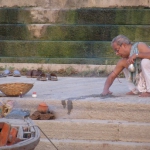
(28, 133)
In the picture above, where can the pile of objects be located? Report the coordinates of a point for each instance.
(17, 131)
(42, 113)
(6, 107)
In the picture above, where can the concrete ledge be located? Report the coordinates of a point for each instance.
(82, 129)
(79, 129)
(90, 145)
(57, 67)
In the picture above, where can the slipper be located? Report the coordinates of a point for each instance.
(52, 77)
(42, 77)
(29, 74)
(36, 73)
(10, 74)
(16, 73)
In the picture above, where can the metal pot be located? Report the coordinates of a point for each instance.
(131, 68)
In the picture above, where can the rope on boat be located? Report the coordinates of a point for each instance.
(47, 138)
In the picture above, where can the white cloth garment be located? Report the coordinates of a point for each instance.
(130, 84)
(143, 78)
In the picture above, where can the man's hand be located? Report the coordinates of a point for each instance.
(131, 59)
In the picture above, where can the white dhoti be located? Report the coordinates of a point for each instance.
(144, 78)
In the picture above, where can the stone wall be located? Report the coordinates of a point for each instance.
(69, 31)
(74, 4)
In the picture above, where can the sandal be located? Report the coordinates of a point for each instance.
(52, 77)
(29, 74)
(42, 77)
(36, 73)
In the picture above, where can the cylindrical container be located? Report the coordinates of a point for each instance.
(34, 94)
(43, 107)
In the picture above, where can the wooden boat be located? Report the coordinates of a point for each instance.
(18, 134)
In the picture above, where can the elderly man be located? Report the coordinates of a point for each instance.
(137, 54)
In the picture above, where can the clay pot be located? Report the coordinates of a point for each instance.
(43, 107)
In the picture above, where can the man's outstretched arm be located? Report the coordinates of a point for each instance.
(110, 79)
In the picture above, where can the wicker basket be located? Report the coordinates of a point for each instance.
(14, 89)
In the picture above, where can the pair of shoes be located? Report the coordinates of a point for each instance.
(52, 77)
(33, 73)
(42, 77)
(16, 73)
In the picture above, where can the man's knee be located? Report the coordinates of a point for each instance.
(145, 63)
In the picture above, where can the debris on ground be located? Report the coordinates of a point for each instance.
(42, 116)
(42, 113)
(6, 107)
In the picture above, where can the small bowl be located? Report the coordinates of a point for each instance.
(131, 68)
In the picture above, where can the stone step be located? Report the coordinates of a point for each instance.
(107, 130)
(77, 16)
(58, 52)
(73, 4)
(93, 107)
(112, 120)
(73, 32)
(41, 60)
(77, 52)
(68, 144)
(56, 49)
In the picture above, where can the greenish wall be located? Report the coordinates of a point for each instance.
(79, 36)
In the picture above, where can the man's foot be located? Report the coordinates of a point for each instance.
(145, 94)
(106, 95)
(131, 93)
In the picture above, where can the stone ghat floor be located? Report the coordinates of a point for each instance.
(85, 95)
(74, 88)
